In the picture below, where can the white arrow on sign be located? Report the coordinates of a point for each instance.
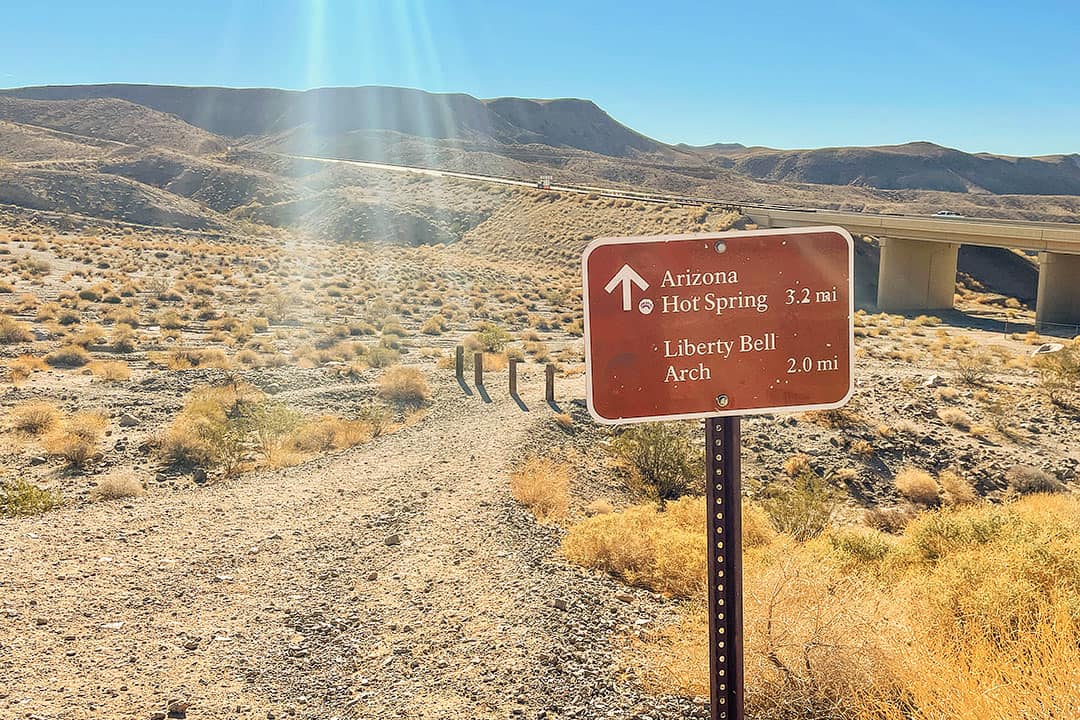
(625, 277)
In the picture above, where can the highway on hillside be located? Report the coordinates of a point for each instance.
(1016, 234)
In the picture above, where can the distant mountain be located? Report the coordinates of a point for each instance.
(917, 165)
(109, 122)
(350, 121)
(239, 113)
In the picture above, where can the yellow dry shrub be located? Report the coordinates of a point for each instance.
(23, 366)
(77, 438)
(13, 331)
(330, 433)
(110, 370)
(543, 486)
(204, 434)
(796, 465)
(662, 551)
(117, 486)
(495, 361)
(404, 385)
(918, 486)
(186, 359)
(955, 417)
(599, 506)
(815, 645)
(973, 613)
(34, 417)
(957, 489)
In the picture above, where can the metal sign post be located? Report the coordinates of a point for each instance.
(724, 508)
(715, 326)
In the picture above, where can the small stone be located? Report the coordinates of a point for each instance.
(560, 604)
(177, 707)
(157, 715)
(623, 597)
(128, 420)
(192, 644)
(38, 460)
(392, 540)
(372, 576)
(198, 475)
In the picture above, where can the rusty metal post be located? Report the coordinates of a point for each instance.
(549, 383)
(459, 362)
(513, 377)
(478, 369)
(724, 510)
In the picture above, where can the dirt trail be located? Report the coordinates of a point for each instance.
(283, 595)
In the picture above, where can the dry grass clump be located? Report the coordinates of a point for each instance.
(955, 417)
(906, 427)
(186, 359)
(918, 486)
(890, 520)
(117, 486)
(111, 370)
(13, 331)
(1028, 480)
(956, 489)
(837, 418)
(34, 417)
(599, 506)
(973, 367)
(24, 366)
(330, 433)
(496, 361)
(564, 420)
(813, 645)
(947, 393)
(796, 465)
(404, 385)
(234, 427)
(543, 486)
(70, 356)
(77, 439)
(663, 551)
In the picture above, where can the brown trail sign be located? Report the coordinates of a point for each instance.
(715, 326)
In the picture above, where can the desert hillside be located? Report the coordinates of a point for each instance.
(333, 119)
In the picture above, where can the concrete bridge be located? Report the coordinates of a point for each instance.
(919, 254)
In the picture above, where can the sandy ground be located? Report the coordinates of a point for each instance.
(284, 594)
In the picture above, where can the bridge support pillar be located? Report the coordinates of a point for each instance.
(916, 275)
(1058, 300)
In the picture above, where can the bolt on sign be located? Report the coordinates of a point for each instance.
(717, 326)
(687, 326)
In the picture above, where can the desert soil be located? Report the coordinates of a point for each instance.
(395, 580)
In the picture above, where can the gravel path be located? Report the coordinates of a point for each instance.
(396, 580)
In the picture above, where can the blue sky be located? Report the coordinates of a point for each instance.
(981, 76)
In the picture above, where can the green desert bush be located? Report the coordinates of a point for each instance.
(20, 497)
(660, 460)
(802, 506)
